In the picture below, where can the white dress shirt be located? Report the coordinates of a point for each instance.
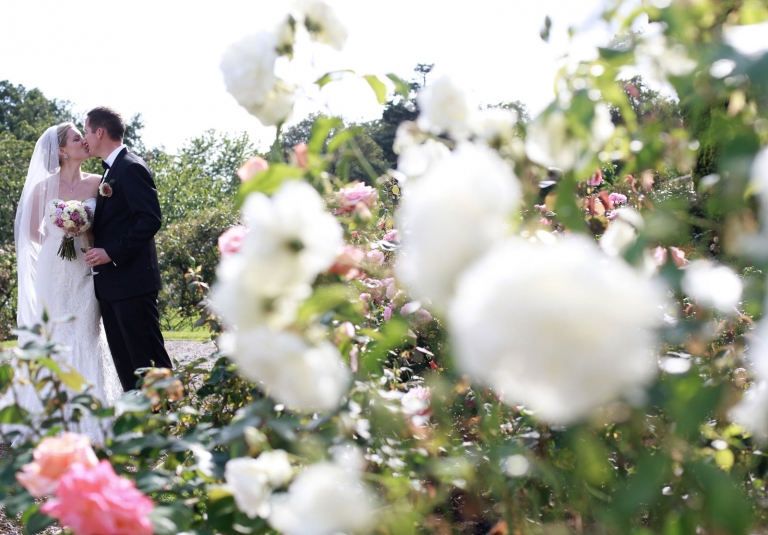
(111, 158)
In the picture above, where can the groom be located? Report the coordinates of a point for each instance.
(126, 221)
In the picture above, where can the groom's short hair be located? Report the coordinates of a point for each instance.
(108, 119)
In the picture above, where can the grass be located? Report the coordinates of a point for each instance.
(198, 336)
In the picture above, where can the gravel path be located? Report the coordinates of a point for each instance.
(181, 350)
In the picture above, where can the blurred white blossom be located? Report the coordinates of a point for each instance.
(304, 377)
(445, 108)
(622, 232)
(450, 217)
(277, 105)
(248, 67)
(659, 57)
(252, 480)
(321, 23)
(416, 152)
(325, 499)
(712, 285)
(560, 328)
(495, 125)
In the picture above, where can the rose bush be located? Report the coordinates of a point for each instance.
(506, 335)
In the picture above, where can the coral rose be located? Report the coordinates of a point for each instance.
(231, 240)
(96, 501)
(53, 457)
(251, 167)
(300, 151)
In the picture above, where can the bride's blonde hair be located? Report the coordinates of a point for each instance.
(61, 133)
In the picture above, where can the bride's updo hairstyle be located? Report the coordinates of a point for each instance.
(108, 119)
(61, 136)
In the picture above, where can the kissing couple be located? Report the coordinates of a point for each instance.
(116, 329)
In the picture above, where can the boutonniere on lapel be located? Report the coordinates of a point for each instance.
(105, 188)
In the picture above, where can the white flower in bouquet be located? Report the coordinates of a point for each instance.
(559, 328)
(450, 217)
(252, 480)
(321, 23)
(291, 238)
(248, 67)
(445, 108)
(712, 285)
(622, 232)
(277, 105)
(303, 377)
(325, 499)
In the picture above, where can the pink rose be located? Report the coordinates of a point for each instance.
(421, 316)
(345, 331)
(96, 501)
(300, 152)
(347, 262)
(362, 211)
(410, 308)
(618, 198)
(59, 222)
(392, 236)
(659, 255)
(75, 216)
(251, 168)
(365, 297)
(545, 221)
(53, 457)
(596, 179)
(231, 240)
(375, 288)
(374, 258)
(388, 313)
(678, 256)
(541, 207)
(349, 197)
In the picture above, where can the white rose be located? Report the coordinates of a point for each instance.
(526, 322)
(712, 285)
(444, 107)
(277, 105)
(291, 239)
(65, 216)
(415, 160)
(450, 217)
(252, 480)
(496, 125)
(622, 232)
(69, 224)
(306, 378)
(325, 499)
(322, 24)
(248, 68)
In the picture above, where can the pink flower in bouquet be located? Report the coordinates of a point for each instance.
(74, 216)
(251, 168)
(596, 179)
(392, 236)
(231, 240)
(300, 151)
(59, 222)
(618, 198)
(96, 501)
(62, 205)
(53, 457)
(349, 197)
(348, 262)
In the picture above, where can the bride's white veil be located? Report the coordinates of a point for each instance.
(40, 188)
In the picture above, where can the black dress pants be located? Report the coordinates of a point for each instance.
(133, 332)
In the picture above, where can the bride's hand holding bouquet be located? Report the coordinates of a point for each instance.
(73, 217)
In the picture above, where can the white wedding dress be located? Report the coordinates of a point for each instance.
(64, 290)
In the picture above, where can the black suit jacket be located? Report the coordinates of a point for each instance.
(125, 225)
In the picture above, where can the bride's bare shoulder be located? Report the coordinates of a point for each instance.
(91, 176)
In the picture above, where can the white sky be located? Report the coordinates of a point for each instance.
(161, 58)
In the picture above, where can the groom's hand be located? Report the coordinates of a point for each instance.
(96, 257)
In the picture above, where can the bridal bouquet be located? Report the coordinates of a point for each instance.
(73, 217)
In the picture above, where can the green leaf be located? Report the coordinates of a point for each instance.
(378, 87)
(545, 30)
(725, 505)
(71, 378)
(268, 181)
(567, 210)
(392, 335)
(402, 87)
(12, 414)
(332, 76)
(34, 521)
(320, 131)
(171, 519)
(133, 401)
(324, 299)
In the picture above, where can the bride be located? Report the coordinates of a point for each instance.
(59, 286)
